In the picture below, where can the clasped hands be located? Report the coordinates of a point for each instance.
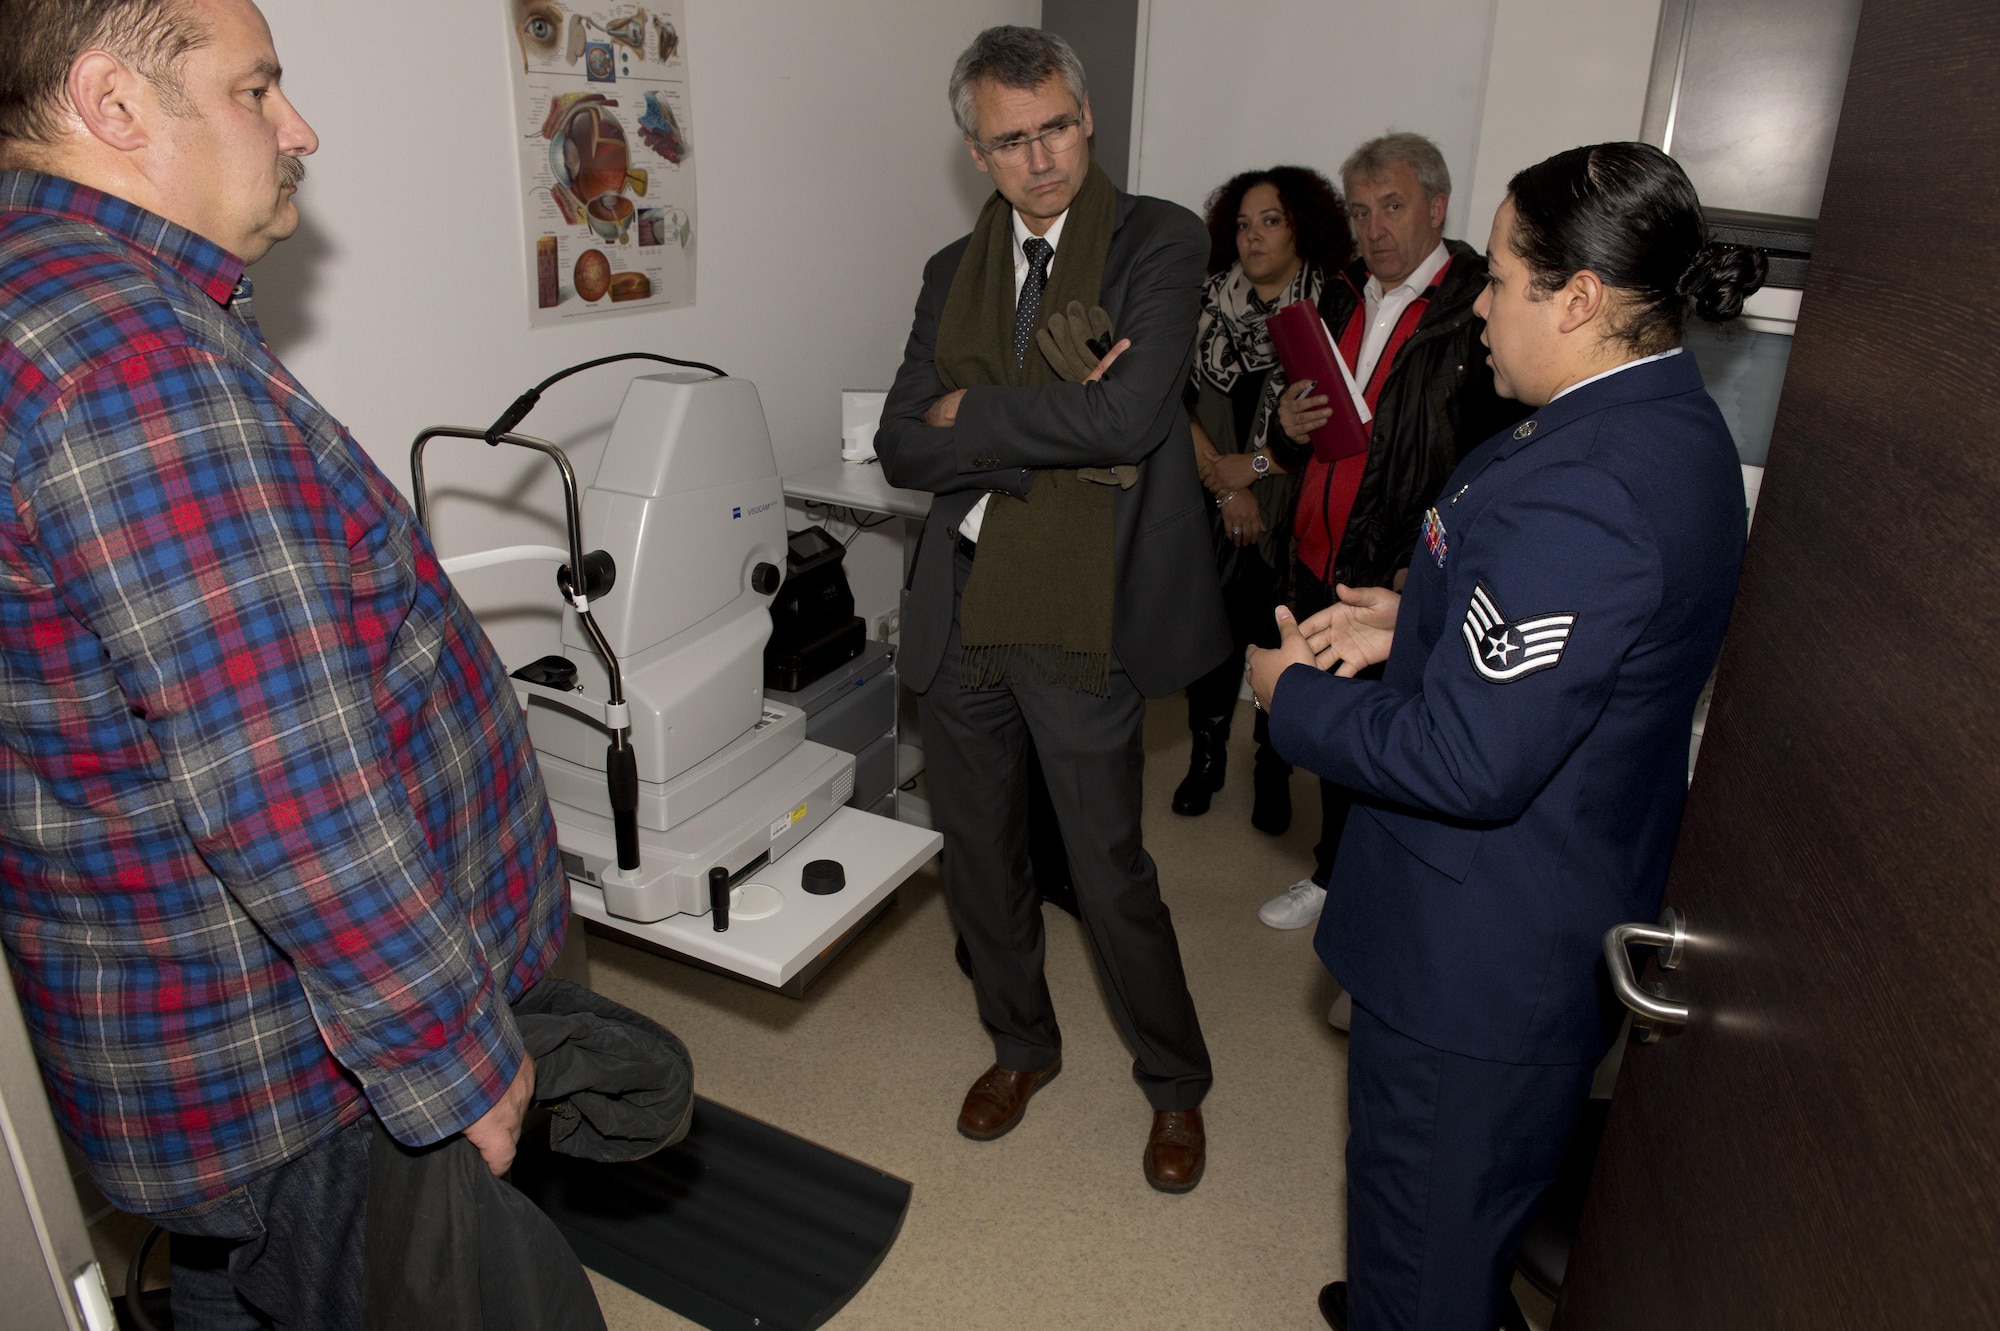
(1229, 477)
(1347, 637)
(1223, 472)
(1069, 341)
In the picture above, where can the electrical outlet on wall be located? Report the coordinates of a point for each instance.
(888, 626)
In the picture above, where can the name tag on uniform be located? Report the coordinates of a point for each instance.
(1434, 536)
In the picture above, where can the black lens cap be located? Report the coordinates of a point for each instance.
(822, 878)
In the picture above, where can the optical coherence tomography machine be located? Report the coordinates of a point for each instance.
(686, 804)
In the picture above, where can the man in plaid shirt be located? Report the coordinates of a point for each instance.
(274, 852)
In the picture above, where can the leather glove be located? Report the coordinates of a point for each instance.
(1073, 342)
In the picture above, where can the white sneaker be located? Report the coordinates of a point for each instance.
(1341, 1015)
(1295, 907)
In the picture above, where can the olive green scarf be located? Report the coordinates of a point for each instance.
(1038, 608)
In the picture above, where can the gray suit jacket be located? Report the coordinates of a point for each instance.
(1169, 626)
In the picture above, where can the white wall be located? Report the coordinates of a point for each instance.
(828, 170)
(1231, 86)
(1597, 53)
(1498, 84)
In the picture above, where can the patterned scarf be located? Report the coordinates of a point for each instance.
(1039, 606)
(1232, 340)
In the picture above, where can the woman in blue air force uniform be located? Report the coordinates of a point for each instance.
(1521, 765)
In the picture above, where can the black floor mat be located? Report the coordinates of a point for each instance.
(740, 1225)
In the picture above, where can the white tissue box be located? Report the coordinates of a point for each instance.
(860, 417)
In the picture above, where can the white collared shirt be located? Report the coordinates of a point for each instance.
(1618, 369)
(969, 528)
(1385, 309)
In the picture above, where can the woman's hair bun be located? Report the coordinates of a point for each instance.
(1719, 278)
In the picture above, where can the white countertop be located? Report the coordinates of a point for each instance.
(877, 853)
(857, 485)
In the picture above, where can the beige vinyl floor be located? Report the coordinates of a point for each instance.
(1053, 1226)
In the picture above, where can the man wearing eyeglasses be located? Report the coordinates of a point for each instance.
(1064, 574)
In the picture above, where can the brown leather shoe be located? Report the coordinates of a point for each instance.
(1177, 1150)
(998, 1099)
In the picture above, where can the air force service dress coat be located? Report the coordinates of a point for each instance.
(1522, 764)
(1168, 626)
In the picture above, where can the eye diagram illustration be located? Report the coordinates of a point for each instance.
(592, 165)
(539, 25)
(602, 105)
(592, 275)
(661, 131)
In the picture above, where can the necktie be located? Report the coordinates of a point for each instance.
(1039, 253)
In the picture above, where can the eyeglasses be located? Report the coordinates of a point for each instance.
(1055, 139)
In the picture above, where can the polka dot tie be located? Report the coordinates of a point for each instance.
(1039, 253)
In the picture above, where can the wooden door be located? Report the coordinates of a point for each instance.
(1820, 1147)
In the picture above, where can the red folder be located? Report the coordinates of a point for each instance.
(1305, 348)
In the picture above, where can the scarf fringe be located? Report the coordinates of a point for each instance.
(1045, 664)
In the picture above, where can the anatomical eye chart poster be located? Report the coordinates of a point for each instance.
(602, 112)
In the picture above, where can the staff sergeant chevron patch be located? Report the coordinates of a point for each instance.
(1503, 652)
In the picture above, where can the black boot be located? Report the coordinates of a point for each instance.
(1271, 779)
(1333, 1304)
(1206, 768)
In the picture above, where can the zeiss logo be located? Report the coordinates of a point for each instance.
(735, 513)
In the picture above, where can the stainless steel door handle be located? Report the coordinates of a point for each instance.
(1670, 936)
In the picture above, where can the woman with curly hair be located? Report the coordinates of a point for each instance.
(1275, 236)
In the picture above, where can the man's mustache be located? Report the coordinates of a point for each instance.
(291, 172)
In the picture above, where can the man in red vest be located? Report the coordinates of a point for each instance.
(1402, 315)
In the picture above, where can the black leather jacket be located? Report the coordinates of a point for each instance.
(1437, 405)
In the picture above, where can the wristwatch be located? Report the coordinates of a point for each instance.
(1260, 462)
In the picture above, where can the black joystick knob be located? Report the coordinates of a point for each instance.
(718, 898)
(822, 878)
(764, 579)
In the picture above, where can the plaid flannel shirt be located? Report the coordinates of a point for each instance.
(274, 849)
